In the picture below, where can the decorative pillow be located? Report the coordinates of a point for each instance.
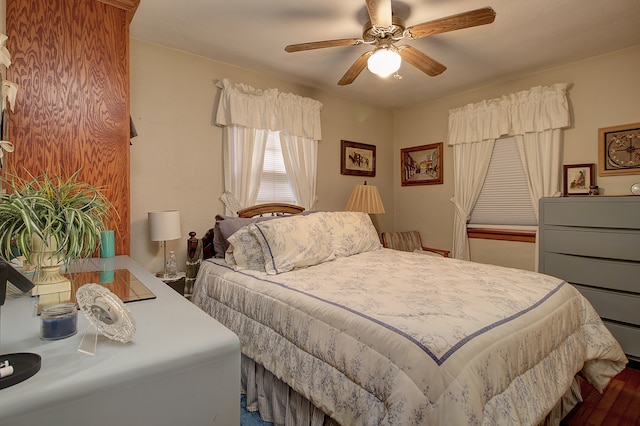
(244, 251)
(351, 233)
(293, 242)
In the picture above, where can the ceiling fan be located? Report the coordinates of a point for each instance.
(384, 30)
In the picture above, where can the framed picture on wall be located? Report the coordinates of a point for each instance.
(619, 150)
(357, 159)
(578, 178)
(421, 165)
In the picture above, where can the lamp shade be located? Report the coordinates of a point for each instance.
(365, 198)
(164, 225)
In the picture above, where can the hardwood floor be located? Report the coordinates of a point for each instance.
(618, 405)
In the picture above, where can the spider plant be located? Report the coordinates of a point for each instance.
(59, 210)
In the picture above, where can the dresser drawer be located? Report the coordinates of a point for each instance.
(608, 244)
(599, 212)
(606, 273)
(620, 307)
(628, 337)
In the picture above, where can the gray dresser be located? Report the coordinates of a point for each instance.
(594, 243)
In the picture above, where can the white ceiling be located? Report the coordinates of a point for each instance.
(527, 36)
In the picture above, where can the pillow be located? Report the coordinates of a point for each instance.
(218, 240)
(226, 226)
(351, 233)
(293, 242)
(244, 251)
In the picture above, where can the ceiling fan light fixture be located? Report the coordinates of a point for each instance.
(384, 62)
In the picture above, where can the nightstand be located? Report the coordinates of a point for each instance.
(176, 283)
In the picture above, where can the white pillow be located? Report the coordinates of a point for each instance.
(244, 251)
(293, 242)
(351, 233)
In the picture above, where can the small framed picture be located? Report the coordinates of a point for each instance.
(421, 165)
(619, 150)
(357, 159)
(578, 178)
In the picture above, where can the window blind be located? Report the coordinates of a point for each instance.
(504, 199)
(274, 182)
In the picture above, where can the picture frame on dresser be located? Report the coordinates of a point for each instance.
(619, 150)
(577, 178)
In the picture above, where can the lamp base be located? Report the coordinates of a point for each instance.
(164, 275)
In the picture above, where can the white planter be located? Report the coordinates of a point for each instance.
(47, 262)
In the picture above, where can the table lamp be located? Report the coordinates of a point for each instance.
(365, 198)
(164, 226)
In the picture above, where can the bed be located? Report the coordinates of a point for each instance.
(335, 329)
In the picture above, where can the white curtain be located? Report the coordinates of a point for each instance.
(243, 157)
(247, 106)
(470, 166)
(256, 110)
(540, 154)
(534, 117)
(300, 159)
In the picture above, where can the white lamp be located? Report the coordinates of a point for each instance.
(164, 226)
(365, 198)
(384, 61)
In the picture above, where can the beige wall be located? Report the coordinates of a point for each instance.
(604, 93)
(176, 159)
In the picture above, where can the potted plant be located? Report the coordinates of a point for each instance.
(51, 221)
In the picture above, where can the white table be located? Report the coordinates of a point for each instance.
(182, 367)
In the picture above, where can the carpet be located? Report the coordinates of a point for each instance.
(248, 418)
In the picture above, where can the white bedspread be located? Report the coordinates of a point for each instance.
(395, 338)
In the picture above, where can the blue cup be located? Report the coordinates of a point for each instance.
(108, 246)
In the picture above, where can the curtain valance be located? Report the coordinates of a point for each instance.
(535, 110)
(270, 109)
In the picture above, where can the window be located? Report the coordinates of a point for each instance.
(504, 201)
(274, 182)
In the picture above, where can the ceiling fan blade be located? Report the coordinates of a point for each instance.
(421, 61)
(322, 44)
(355, 69)
(379, 13)
(469, 19)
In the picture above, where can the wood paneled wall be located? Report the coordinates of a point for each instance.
(70, 59)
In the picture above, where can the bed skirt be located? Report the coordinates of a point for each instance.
(570, 399)
(275, 401)
(279, 404)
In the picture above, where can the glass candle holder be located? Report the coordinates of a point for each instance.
(59, 321)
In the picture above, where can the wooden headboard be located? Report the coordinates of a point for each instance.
(273, 209)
